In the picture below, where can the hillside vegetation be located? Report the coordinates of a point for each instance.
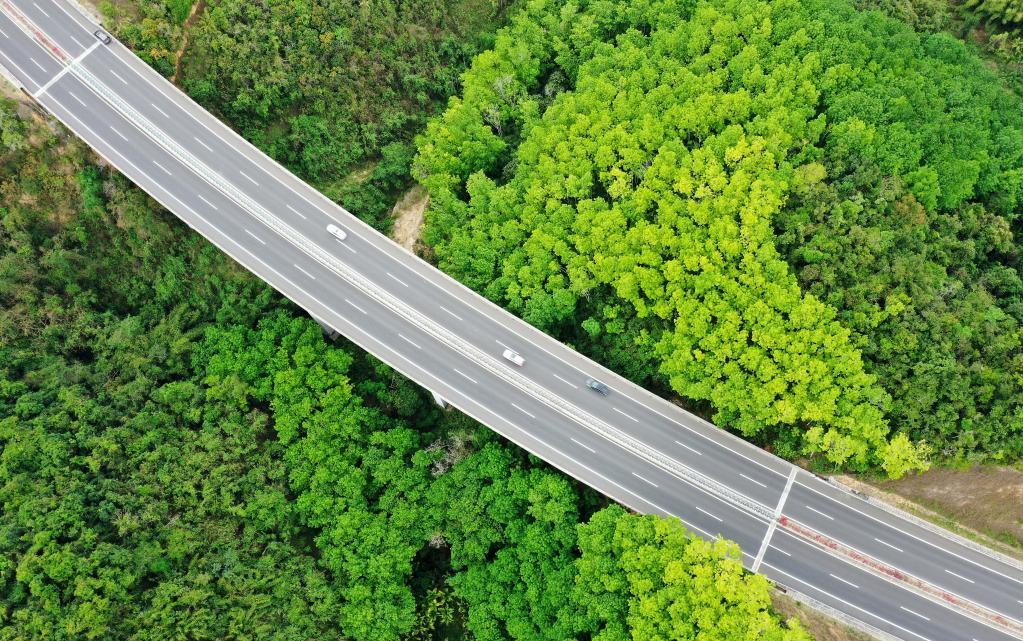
(184, 456)
(793, 214)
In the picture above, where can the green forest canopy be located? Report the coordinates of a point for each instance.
(793, 212)
(183, 455)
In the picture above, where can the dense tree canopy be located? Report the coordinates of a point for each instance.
(184, 456)
(649, 179)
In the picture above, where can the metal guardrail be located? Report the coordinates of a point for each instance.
(437, 331)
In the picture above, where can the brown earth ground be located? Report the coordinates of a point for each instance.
(984, 503)
(820, 626)
(408, 215)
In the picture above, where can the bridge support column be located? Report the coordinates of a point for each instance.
(328, 331)
(440, 399)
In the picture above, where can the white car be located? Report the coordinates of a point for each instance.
(514, 357)
(337, 232)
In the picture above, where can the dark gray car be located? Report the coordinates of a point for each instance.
(597, 386)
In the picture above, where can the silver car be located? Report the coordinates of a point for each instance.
(336, 232)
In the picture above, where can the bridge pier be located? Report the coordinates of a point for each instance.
(328, 331)
(440, 399)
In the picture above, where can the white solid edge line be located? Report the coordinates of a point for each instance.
(434, 276)
(841, 600)
(710, 494)
(909, 534)
(398, 355)
(969, 560)
(928, 597)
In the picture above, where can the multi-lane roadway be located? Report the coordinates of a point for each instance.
(890, 574)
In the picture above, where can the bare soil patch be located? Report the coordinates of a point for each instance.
(983, 502)
(820, 626)
(408, 216)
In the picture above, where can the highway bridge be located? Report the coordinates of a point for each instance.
(861, 561)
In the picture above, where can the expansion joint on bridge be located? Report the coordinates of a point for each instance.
(774, 521)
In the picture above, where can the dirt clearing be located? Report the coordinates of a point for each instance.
(984, 502)
(408, 215)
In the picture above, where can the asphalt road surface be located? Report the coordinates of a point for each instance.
(631, 445)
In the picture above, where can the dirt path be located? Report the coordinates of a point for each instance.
(193, 15)
(408, 216)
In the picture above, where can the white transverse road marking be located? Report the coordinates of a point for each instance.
(774, 522)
